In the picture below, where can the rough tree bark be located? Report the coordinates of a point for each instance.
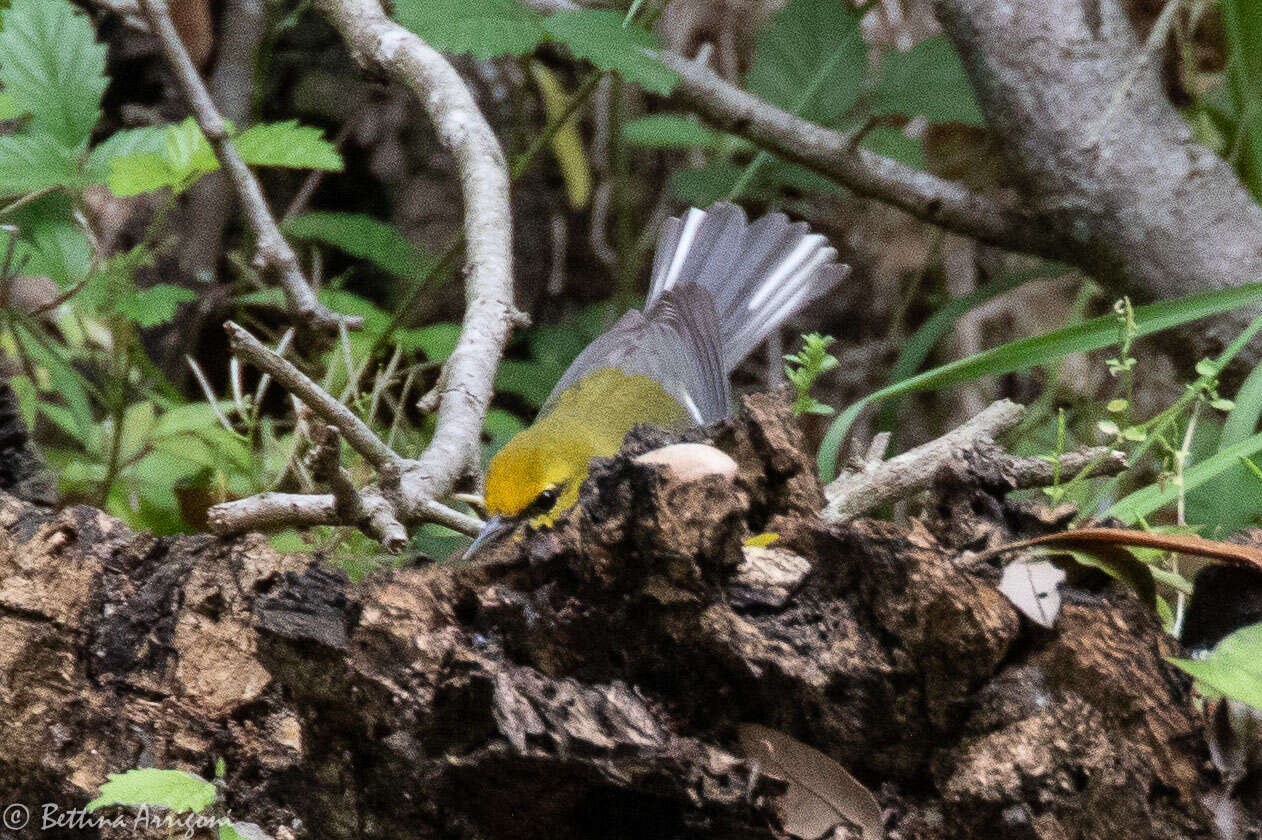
(1107, 165)
(588, 681)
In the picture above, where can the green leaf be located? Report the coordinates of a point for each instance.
(53, 68)
(438, 341)
(1234, 668)
(928, 80)
(52, 243)
(185, 155)
(32, 162)
(1245, 416)
(1242, 20)
(1229, 501)
(811, 60)
(67, 382)
(485, 28)
(893, 143)
(531, 381)
(287, 145)
(172, 789)
(500, 426)
(155, 305)
(139, 173)
(667, 131)
(703, 185)
(9, 109)
(1145, 501)
(600, 37)
(150, 139)
(1035, 351)
(365, 238)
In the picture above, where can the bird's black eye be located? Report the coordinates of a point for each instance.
(544, 501)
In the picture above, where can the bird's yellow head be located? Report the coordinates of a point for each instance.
(536, 478)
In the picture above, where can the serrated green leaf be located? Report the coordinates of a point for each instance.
(172, 789)
(53, 68)
(1234, 668)
(155, 305)
(32, 162)
(287, 145)
(485, 28)
(366, 238)
(667, 131)
(600, 37)
(928, 81)
(184, 155)
(812, 49)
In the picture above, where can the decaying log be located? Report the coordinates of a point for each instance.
(588, 681)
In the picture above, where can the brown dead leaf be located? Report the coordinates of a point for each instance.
(821, 794)
(1090, 539)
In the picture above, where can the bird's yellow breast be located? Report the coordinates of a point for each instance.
(588, 420)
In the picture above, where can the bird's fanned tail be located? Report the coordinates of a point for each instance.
(758, 274)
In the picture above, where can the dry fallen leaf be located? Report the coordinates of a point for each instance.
(1031, 587)
(1087, 539)
(821, 794)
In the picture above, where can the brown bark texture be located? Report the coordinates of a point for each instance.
(589, 681)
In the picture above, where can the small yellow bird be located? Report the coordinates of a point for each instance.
(720, 285)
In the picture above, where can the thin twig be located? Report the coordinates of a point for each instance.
(875, 485)
(274, 252)
(357, 434)
(946, 203)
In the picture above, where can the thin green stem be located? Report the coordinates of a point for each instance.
(1157, 426)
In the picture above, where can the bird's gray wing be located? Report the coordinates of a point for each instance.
(675, 342)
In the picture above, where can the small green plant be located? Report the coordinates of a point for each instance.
(804, 367)
(1057, 491)
(189, 802)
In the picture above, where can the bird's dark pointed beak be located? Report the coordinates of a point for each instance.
(495, 528)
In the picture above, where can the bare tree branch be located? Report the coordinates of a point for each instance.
(356, 432)
(835, 154)
(275, 253)
(406, 490)
(1119, 180)
(878, 483)
(467, 377)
